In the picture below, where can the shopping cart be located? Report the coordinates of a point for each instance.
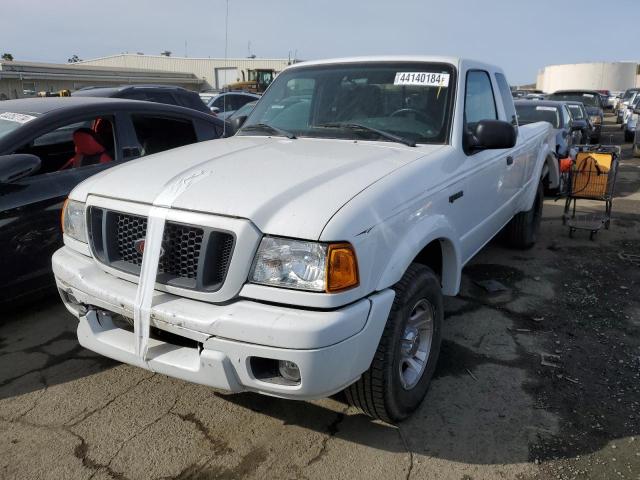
(592, 176)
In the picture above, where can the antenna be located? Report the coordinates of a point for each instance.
(226, 57)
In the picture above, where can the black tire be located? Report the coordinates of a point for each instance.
(380, 393)
(522, 231)
(629, 136)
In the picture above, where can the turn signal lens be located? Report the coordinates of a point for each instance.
(64, 209)
(343, 267)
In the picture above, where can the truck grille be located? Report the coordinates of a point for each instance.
(193, 257)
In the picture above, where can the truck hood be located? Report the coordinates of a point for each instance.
(285, 187)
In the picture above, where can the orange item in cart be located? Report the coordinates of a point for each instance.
(565, 165)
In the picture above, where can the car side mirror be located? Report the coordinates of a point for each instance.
(18, 165)
(492, 134)
(237, 122)
(215, 110)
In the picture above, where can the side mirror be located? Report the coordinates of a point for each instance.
(237, 122)
(215, 110)
(492, 134)
(578, 125)
(18, 165)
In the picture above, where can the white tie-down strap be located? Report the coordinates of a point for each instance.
(148, 272)
(152, 252)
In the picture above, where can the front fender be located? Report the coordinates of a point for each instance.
(411, 242)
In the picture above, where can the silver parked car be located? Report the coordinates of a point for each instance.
(555, 113)
(226, 103)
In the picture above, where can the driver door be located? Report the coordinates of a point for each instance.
(489, 183)
(30, 214)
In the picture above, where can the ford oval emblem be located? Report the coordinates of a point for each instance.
(138, 245)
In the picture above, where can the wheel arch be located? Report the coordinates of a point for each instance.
(433, 245)
(546, 165)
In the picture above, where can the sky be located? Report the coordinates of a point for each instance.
(521, 36)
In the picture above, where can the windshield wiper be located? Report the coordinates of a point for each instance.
(382, 133)
(271, 128)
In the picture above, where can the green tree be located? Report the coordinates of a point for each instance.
(74, 59)
(7, 56)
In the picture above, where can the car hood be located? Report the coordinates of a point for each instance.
(285, 187)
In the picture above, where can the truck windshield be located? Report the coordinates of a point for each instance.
(576, 112)
(383, 101)
(538, 113)
(590, 99)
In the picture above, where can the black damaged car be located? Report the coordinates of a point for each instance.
(49, 145)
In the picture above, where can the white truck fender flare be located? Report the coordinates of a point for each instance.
(432, 228)
(546, 162)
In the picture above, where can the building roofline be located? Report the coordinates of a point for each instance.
(235, 59)
(13, 65)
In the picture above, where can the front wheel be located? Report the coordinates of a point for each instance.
(522, 231)
(399, 376)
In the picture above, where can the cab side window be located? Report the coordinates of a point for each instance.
(78, 144)
(157, 134)
(479, 102)
(507, 99)
(566, 116)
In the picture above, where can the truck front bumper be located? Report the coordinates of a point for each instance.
(228, 345)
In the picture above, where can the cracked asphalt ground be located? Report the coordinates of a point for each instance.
(494, 410)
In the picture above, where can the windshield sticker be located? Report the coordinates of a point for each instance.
(546, 109)
(424, 79)
(16, 117)
(588, 95)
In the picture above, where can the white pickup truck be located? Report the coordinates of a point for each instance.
(310, 252)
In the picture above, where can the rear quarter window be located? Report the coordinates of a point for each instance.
(507, 99)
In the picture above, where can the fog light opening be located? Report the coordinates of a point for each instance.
(289, 371)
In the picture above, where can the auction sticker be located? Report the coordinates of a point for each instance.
(424, 79)
(546, 109)
(16, 117)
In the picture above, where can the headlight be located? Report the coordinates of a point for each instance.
(302, 265)
(595, 119)
(73, 220)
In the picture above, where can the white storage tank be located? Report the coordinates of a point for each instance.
(614, 76)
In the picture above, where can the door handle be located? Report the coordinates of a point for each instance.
(509, 160)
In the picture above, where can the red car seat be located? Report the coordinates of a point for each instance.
(104, 133)
(89, 150)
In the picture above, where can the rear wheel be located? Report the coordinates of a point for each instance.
(404, 362)
(629, 136)
(522, 231)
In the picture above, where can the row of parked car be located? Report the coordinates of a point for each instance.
(221, 104)
(576, 115)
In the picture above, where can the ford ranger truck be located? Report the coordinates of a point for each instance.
(310, 252)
